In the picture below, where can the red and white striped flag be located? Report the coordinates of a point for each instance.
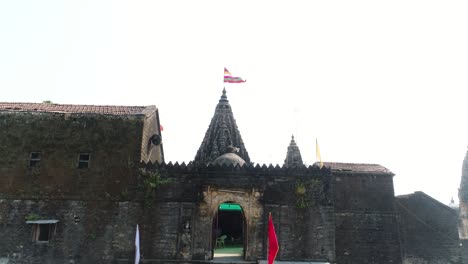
(228, 78)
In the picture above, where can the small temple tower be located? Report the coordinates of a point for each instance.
(463, 196)
(222, 136)
(293, 157)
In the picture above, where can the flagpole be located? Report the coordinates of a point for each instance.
(268, 236)
(137, 245)
(296, 119)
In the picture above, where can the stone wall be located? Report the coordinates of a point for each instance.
(112, 142)
(87, 231)
(464, 251)
(428, 230)
(304, 234)
(365, 219)
(304, 222)
(92, 231)
(97, 207)
(175, 214)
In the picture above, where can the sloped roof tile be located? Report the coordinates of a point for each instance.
(358, 167)
(75, 109)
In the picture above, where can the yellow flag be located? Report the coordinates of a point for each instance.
(317, 154)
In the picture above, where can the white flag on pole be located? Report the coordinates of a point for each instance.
(137, 246)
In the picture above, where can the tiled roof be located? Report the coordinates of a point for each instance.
(357, 167)
(422, 195)
(75, 109)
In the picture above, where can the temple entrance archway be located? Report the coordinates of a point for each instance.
(242, 227)
(229, 231)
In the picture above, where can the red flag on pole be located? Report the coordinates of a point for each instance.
(273, 246)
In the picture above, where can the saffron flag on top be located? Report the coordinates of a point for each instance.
(230, 79)
(273, 246)
(317, 154)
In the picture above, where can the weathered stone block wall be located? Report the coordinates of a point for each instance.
(113, 142)
(87, 231)
(363, 193)
(305, 221)
(101, 229)
(365, 219)
(304, 234)
(366, 238)
(303, 214)
(92, 231)
(167, 223)
(428, 230)
(464, 251)
(96, 224)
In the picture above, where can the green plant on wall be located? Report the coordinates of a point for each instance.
(301, 195)
(32, 217)
(152, 180)
(304, 190)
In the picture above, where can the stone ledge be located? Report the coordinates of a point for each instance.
(293, 262)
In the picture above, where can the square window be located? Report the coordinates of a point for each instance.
(83, 161)
(34, 159)
(43, 232)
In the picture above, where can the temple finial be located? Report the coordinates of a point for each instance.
(223, 97)
(293, 142)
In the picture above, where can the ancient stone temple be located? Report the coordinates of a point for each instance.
(76, 180)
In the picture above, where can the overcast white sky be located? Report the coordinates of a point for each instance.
(375, 81)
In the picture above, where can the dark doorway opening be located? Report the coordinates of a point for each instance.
(228, 232)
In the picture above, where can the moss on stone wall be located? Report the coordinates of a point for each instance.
(113, 143)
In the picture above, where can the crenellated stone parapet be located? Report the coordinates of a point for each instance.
(247, 167)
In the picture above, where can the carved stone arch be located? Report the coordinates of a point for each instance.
(249, 200)
(220, 197)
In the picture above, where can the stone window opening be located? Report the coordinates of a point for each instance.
(43, 230)
(34, 159)
(83, 160)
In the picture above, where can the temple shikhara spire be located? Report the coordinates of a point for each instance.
(463, 197)
(293, 157)
(222, 135)
(463, 192)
